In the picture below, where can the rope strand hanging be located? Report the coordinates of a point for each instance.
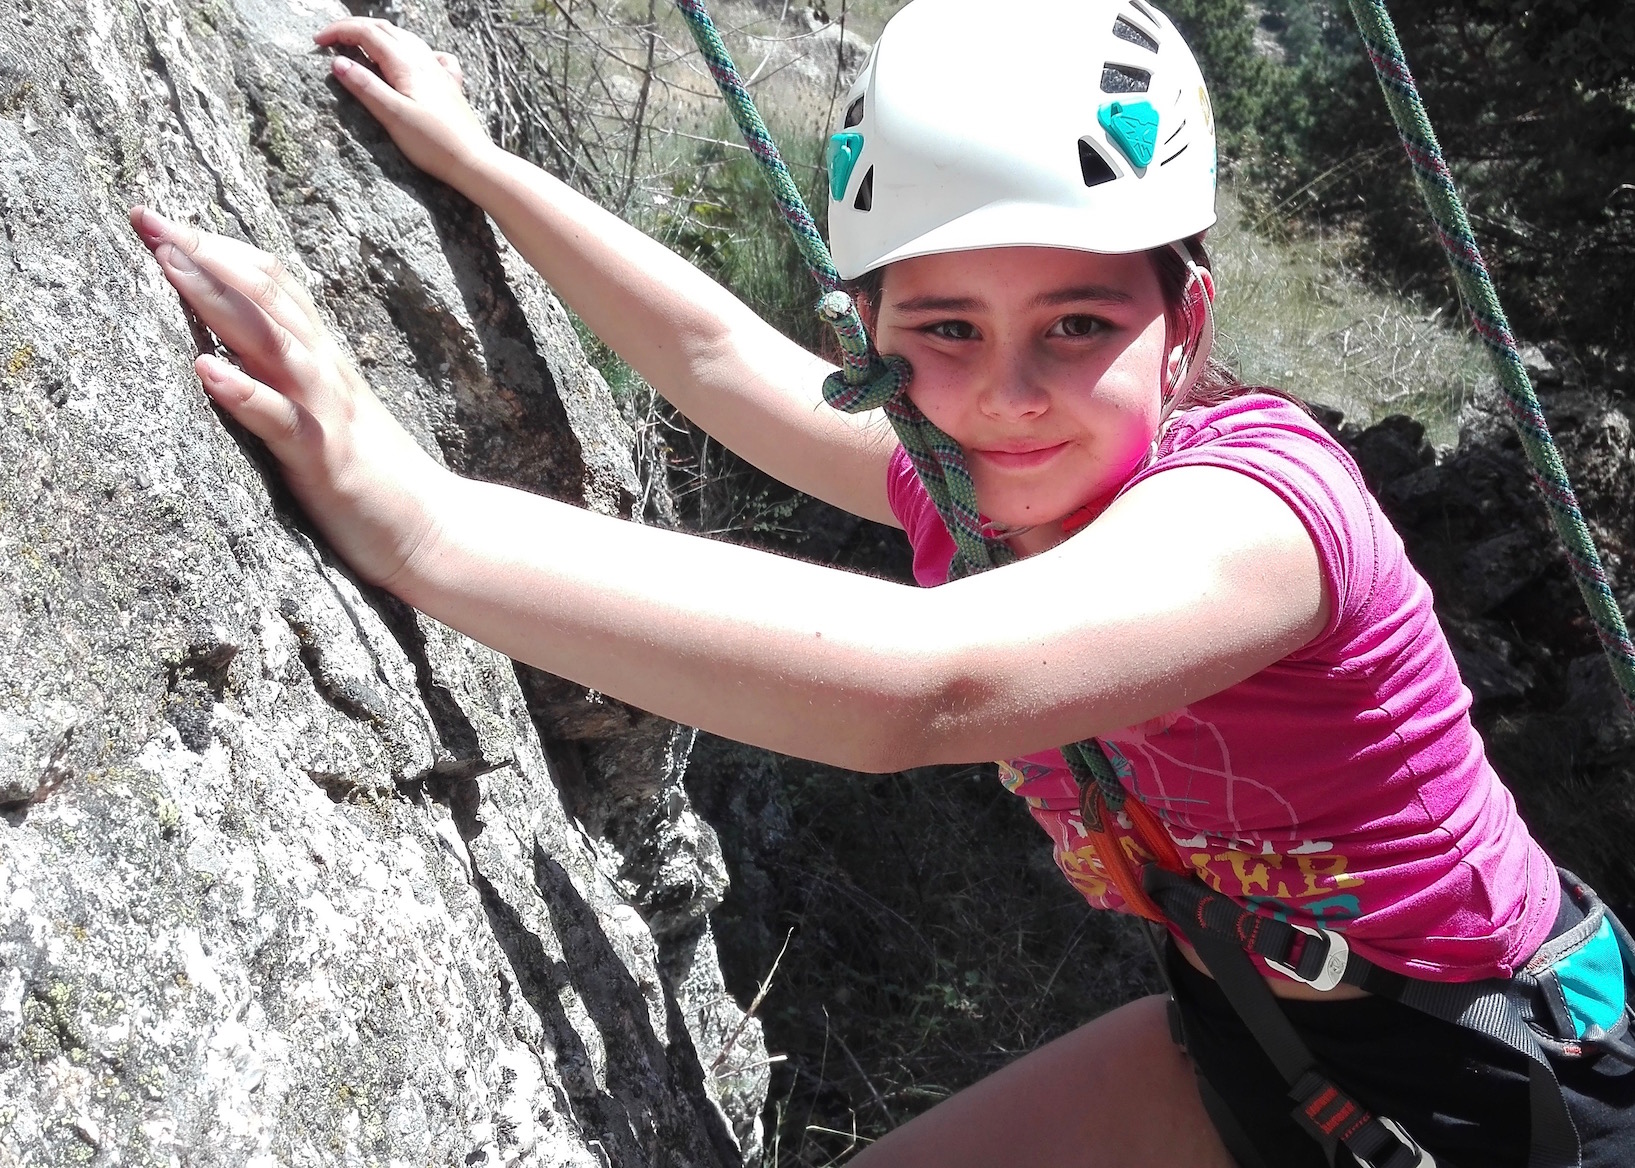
(1476, 289)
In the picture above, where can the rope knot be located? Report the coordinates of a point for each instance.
(836, 306)
(869, 384)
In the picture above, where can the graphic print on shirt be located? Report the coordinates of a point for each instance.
(1155, 742)
(1205, 818)
(1241, 836)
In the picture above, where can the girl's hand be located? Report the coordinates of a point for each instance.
(357, 473)
(418, 95)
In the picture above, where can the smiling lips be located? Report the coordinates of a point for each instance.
(1019, 456)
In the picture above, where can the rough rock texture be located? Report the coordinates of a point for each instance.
(289, 874)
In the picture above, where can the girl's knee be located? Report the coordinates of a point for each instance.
(1115, 1091)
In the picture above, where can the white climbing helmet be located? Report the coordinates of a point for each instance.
(1000, 123)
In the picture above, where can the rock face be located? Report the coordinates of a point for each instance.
(288, 873)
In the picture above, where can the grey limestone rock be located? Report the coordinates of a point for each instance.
(286, 874)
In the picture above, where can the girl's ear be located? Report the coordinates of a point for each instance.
(1175, 359)
(1206, 282)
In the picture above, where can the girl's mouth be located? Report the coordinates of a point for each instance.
(1019, 458)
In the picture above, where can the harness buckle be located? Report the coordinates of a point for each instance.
(1335, 959)
(1423, 1159)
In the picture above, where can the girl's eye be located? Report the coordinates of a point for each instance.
(952, 330)
(1076, 326)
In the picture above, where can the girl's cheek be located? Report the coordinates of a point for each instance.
(937, 395)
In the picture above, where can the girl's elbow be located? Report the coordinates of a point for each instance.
(930, 724)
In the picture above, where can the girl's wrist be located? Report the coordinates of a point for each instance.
(475, 171)
(438, 499)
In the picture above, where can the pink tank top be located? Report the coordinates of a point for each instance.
(1343, 785)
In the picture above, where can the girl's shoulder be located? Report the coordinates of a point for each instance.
(1275, 441)
(1271, 438)
(1254, 413)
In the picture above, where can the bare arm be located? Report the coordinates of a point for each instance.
(1134, 617)
(1194, 580)
(746, 384)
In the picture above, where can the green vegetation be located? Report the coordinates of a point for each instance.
(1534, 105)
(1241, 81)
(723, 218)
(1295, 313)
(718, 212)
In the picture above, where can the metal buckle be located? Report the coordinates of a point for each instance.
(1339, 955)
(1424, 1158)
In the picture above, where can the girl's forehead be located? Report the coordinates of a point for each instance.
(1003, 272)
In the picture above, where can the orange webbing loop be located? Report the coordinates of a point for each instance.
(1109, 849)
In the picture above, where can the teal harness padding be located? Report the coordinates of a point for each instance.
(1591, 984)
(1482, 301)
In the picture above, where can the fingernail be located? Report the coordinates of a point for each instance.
(177, 260)
(151, 227)
(343, 65)
(214, 372)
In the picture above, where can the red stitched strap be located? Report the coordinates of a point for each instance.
(1331, 1116)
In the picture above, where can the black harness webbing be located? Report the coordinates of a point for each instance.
(1224, 934)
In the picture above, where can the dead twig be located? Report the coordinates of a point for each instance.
(879, 1102)
(754, 1005)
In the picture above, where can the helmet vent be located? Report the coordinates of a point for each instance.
(1124, 79)
(854, 114)
(1125, 31)
(865, 192)
(1093, 166)
(1174, 156)
(1144, 10)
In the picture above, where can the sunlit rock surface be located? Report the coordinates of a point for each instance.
(286, 874)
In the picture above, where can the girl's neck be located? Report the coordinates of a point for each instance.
(1030, 541)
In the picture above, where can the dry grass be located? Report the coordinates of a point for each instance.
(1295, 313)
(930, 939)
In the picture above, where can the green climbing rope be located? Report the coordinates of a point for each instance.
(1476, 289)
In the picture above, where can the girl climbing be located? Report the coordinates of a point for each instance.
(1371, 959)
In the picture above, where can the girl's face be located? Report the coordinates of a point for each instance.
(1045, 365)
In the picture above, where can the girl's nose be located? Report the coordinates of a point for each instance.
(1013, 389)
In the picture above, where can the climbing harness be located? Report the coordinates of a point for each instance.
(1572, 998)
(1570, 1001)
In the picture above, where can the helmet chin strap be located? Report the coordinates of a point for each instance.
(1199, 307)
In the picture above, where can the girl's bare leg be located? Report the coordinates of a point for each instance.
(1115, 1091)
